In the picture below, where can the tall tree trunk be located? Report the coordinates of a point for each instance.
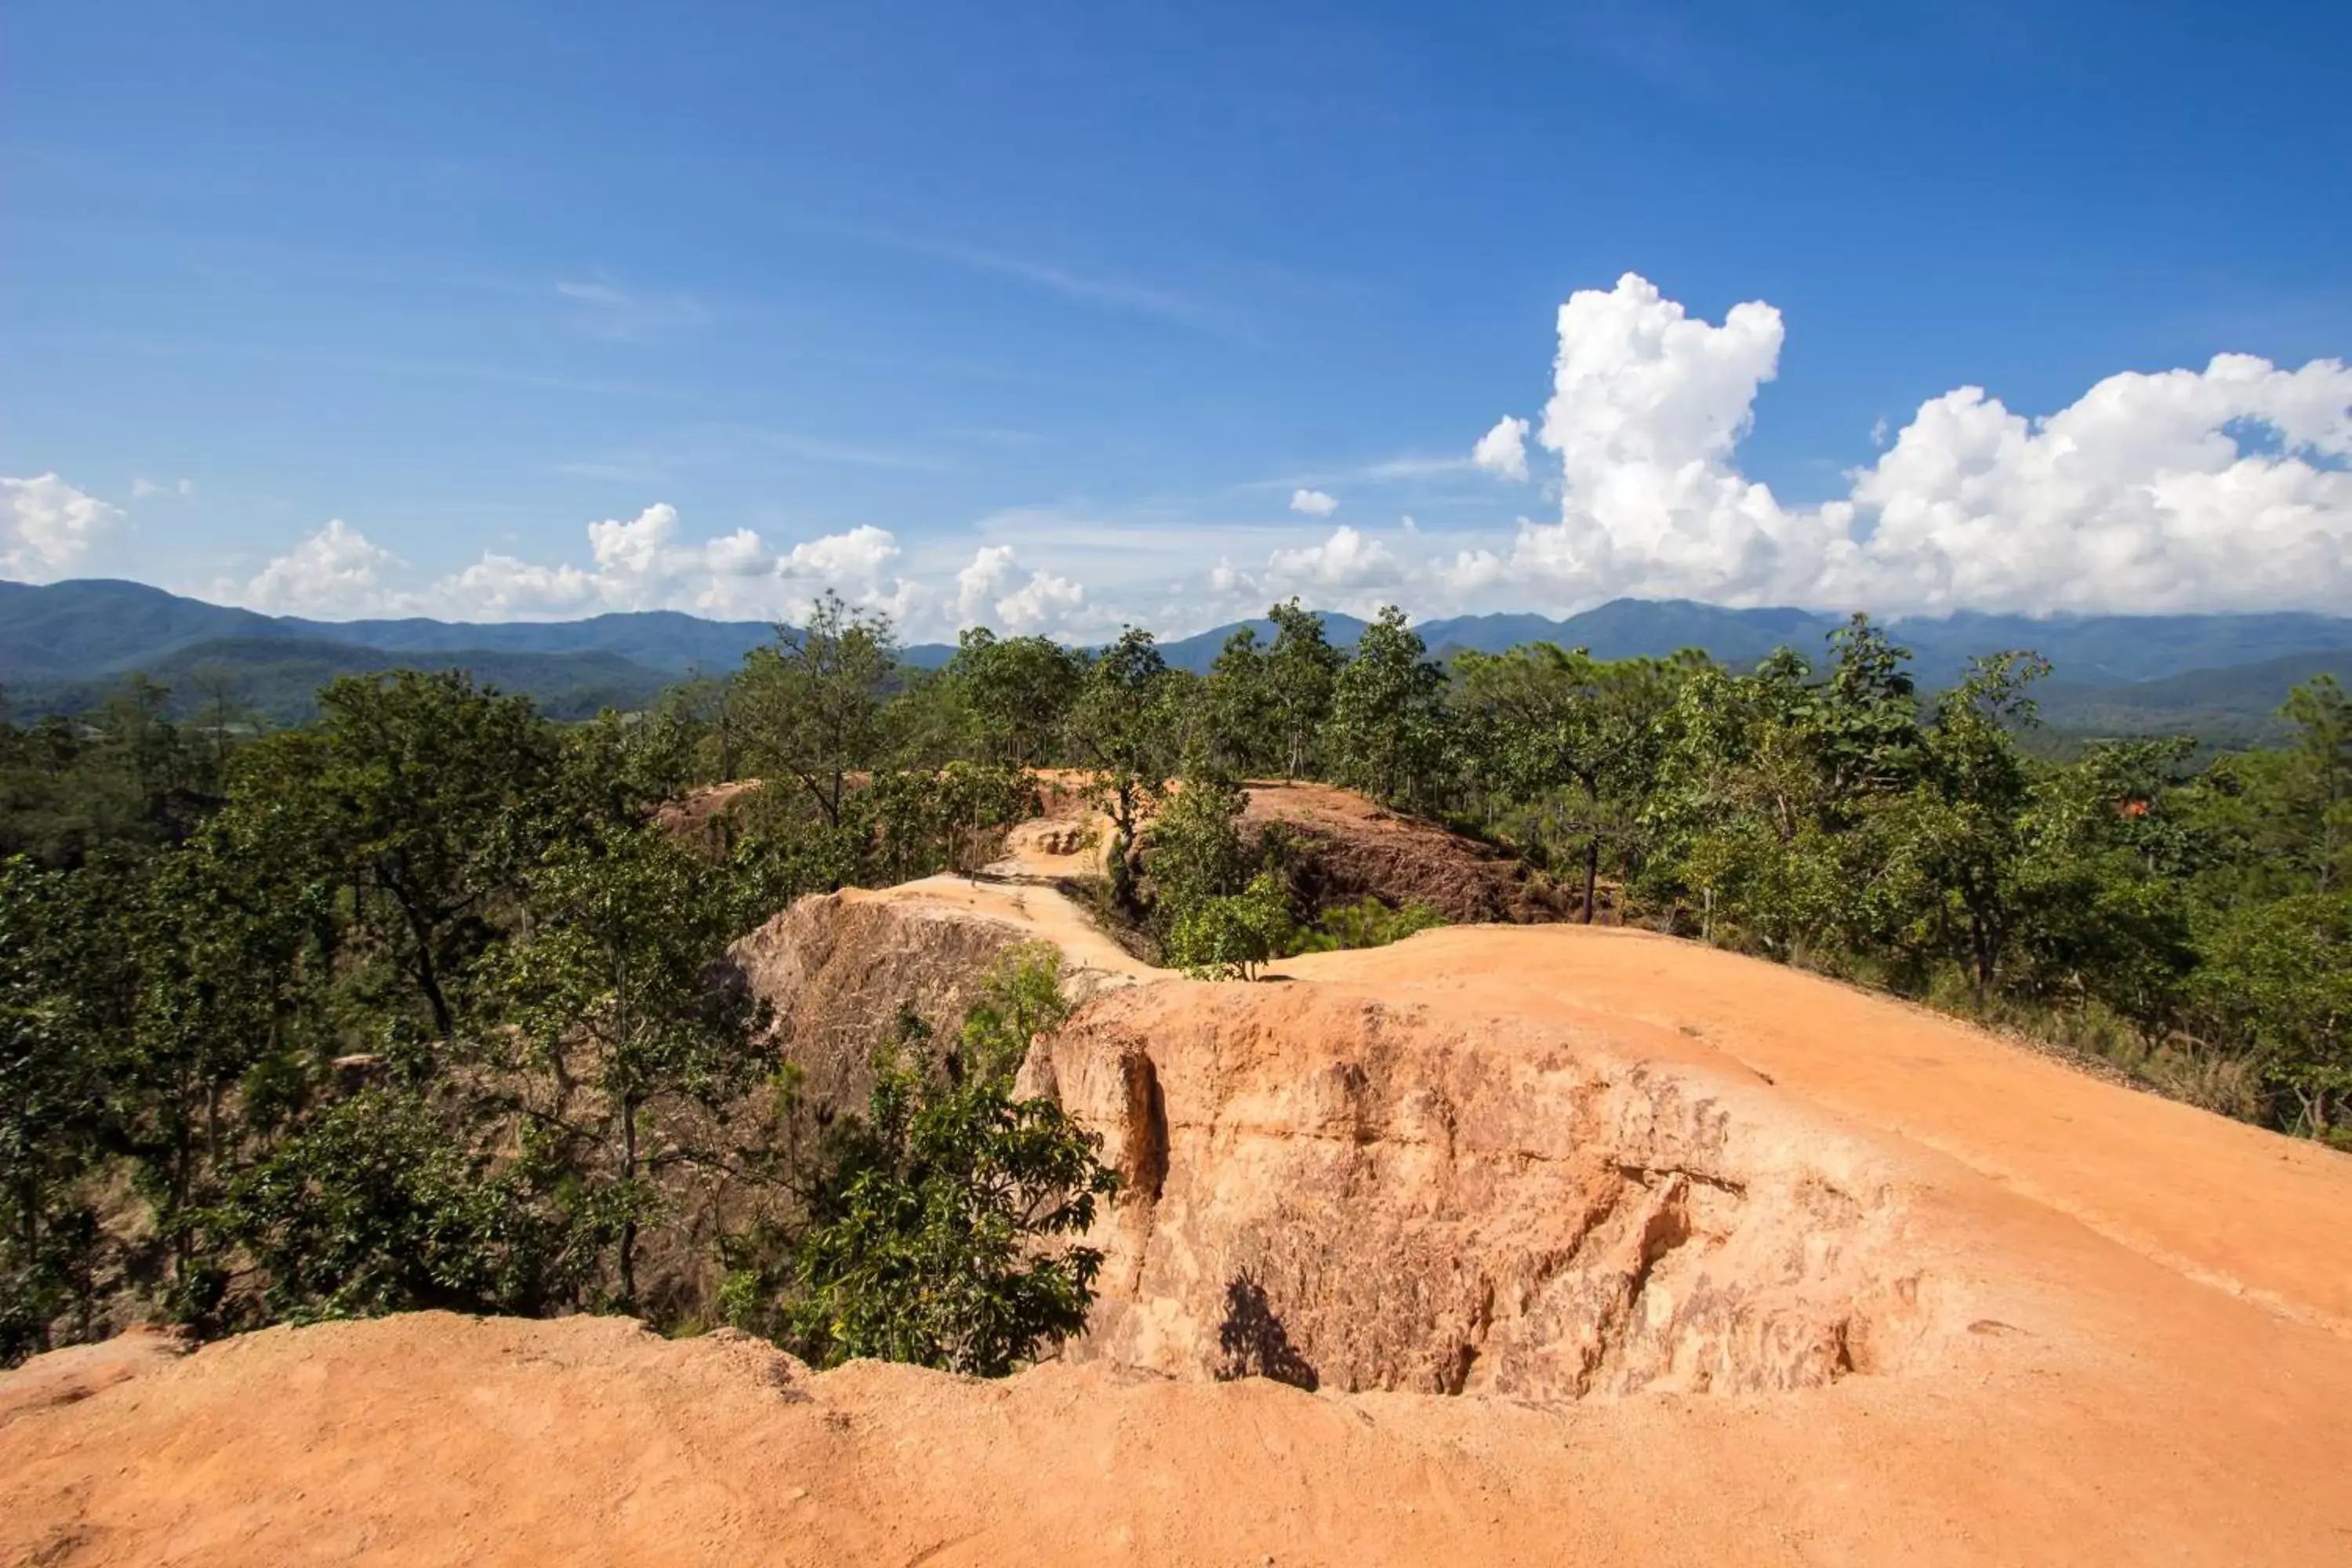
(629, 1225)
(428, 978)
(1592, 875)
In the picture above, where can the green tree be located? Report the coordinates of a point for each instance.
(1195, 846)
(1240, 700)
(229, 946)
(1019, 999)
(54, 1079)
(614, 994)
(1768, 807)
(938, 1237)
(423, 792)
(1116, 728)
(811, 702)
(923, 821)
(1387, 726)
(1572, 744)
(1302, 670)
(2308, 815)
(375, 1205)
(1020, 691)
(1963, 822)
(1232, 937)
(2277, 980)
(2103, 884)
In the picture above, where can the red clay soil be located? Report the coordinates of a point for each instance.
(2133, 1328)
(696, 812)
(1357, 847)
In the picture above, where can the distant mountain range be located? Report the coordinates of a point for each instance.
(2094, 649)
(62, 645)
(93, 628)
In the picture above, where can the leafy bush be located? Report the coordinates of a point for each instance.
(377, 1208)
(1195, 845)
(1231, 938)
(1368, 922)
(1019, 999)
(933, 1234)
(2279, 977)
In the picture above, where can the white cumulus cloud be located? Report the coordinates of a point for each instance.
(995, 590)
(854, 563)
(637, 564)
(1313, 503)
(2219, 489)
(336, 571)
(646, 562)
(47, 526)
(1504, 449)
(1350, 561)
(498, 585)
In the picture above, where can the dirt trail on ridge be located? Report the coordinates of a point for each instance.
(2222, 1203)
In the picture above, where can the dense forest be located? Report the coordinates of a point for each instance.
(424, 1003)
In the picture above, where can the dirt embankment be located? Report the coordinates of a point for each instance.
(1598, 1247)
(701, 814)
(1348, 848)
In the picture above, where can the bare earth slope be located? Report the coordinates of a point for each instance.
(1353, 846)
(1730, 1265)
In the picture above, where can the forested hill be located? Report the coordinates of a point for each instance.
(62, 645)
(81, 630)
(276, 679)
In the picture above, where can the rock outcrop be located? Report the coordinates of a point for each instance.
(1338, 1193)
(836, 969)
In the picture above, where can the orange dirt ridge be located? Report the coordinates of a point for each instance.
(1503, 1244)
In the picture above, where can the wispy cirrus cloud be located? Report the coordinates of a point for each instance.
(1404, 468)
(664, 454)
(603, 309)
(1114, 293)
(848, 454)
(1097, 291)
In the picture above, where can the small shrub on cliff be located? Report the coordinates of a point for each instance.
(1229, 938)
(934, 1236)
(377, 1208)
(1368, 922)
(1019, 999)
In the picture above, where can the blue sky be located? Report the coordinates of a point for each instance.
(1048, 315)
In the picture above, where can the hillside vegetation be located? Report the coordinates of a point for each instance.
(422, 1003)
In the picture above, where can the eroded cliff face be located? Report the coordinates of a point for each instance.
(836, 969)
(1340, 1194)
